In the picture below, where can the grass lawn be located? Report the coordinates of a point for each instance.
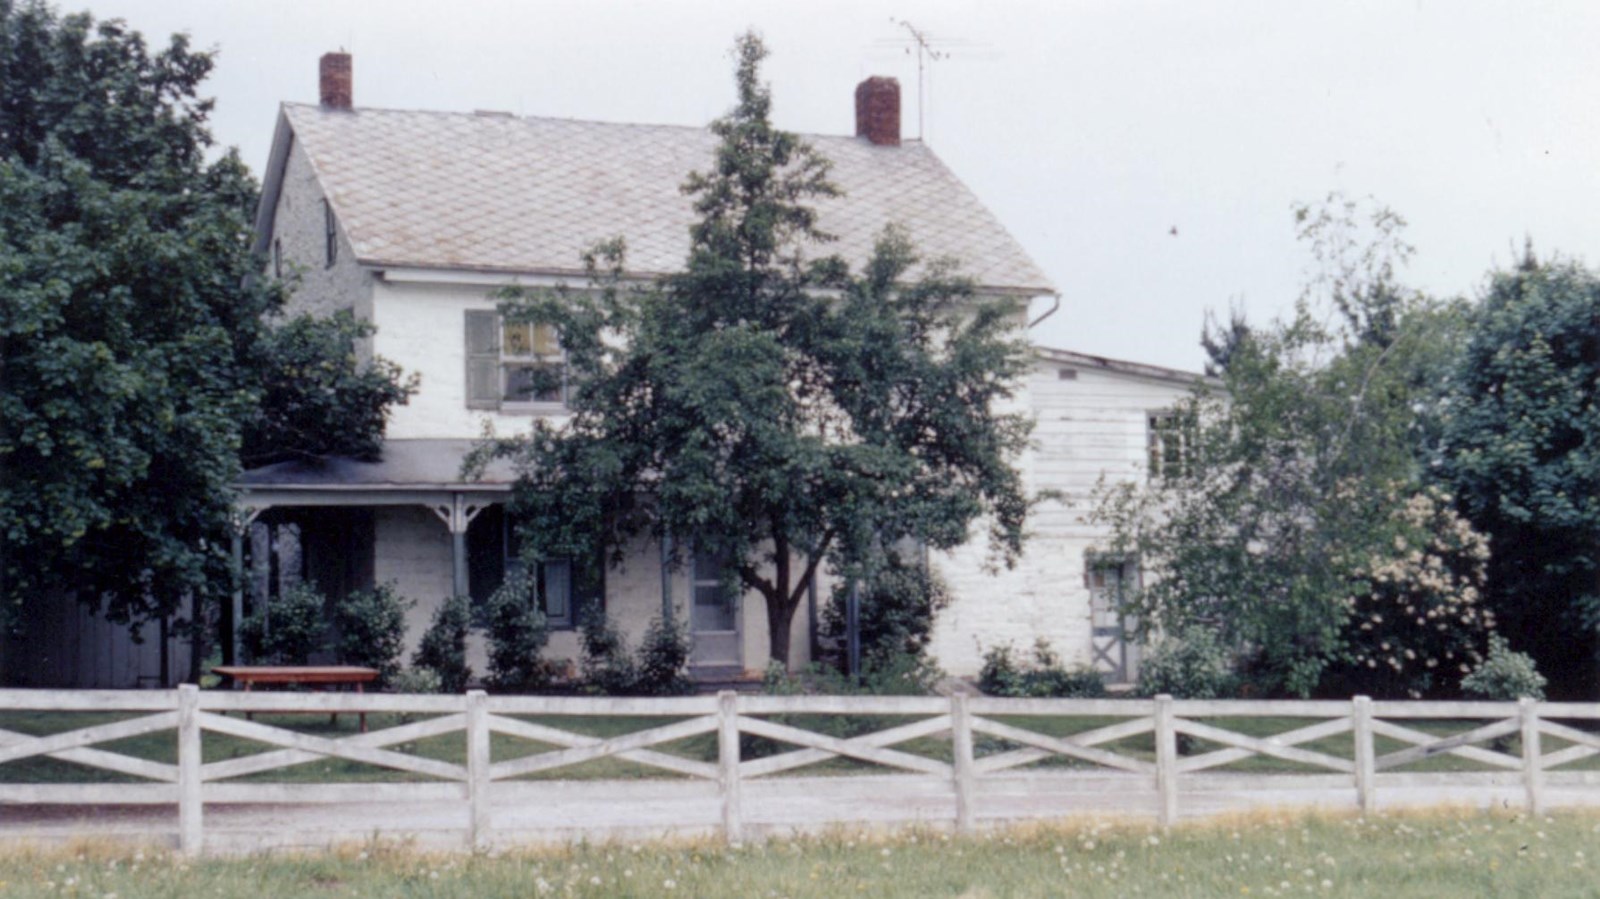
(451, 747)
(1431, 854)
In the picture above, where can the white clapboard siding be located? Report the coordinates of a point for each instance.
(1088, 428)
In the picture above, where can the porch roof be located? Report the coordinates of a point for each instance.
(405, 469)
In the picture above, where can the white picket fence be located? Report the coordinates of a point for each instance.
(488, 800)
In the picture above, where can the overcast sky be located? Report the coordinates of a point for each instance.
(1092, 129)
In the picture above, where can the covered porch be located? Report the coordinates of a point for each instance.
(411, 520)
(347, 524)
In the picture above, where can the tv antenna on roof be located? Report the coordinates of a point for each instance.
(929, 50)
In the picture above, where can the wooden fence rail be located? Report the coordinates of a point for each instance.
(733, 764)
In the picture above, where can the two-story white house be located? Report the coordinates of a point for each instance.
(412, 219)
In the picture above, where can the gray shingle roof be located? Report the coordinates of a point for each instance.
(501, 193)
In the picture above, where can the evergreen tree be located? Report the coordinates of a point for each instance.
(1521, 450)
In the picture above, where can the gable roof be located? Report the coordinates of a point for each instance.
(498, 193)
(1124, 367)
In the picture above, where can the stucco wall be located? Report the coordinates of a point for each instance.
(412, 551)
(423, 328)
(298, 224)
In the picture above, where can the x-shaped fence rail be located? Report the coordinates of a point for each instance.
(967, 743)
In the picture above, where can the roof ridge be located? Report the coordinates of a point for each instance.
(501, 115)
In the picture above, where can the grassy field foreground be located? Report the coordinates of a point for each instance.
(1441, 853)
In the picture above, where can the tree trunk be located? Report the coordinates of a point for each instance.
(780, 624)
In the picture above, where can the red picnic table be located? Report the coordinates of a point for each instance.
(326, 675)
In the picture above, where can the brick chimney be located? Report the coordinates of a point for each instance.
(336, 81)
(878, 110)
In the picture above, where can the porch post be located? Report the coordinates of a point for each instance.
(458, 558)
(235, 610)
(233, 615)
(456, 517)
(666, 578)
(812, 643)
(853, 628)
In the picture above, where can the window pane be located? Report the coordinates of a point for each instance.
(713, 609)
(516, 339)
(706, 568)
(532, 382)
(544, 340)
(557, 591)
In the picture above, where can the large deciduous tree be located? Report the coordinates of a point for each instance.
(1521, 449)
(136, 344)
(1298, 523)
(773, 411)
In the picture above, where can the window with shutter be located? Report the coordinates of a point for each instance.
(330, 233)
(483, 360)
(513, 365)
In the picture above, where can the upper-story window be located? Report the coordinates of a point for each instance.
(1170, 438)
(277, 258)
(513, 365)
(330, 233)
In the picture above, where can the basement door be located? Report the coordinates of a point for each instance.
(714, 626)
(1113, 653)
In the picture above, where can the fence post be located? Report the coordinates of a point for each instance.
(961, 746)
(1532, 761)
(190, 835)
(478, 760)
(1366, 752)
(728, 765)
(1166, 761)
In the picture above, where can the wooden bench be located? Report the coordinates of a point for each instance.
(325, 675)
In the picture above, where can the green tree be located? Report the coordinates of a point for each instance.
(135, 344)
(316, 397)
(1291, 513)
(1521, 449)
(774, 411)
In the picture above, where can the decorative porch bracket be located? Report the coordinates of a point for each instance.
(457, 515)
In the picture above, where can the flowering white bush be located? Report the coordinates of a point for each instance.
(1418, 621)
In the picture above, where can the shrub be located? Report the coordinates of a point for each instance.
(663, 666)
(371, 625)
(288, 630)
(417, 679)
(1044, 676)
(660, 668)
(1417, 613)
(900, 675)
(1190, 664)
(1000, 674)
(607, 668)
(898, 607)
(443, 649)
(1504, 675)
(517, 633)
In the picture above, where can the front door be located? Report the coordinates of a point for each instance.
(713, 619)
